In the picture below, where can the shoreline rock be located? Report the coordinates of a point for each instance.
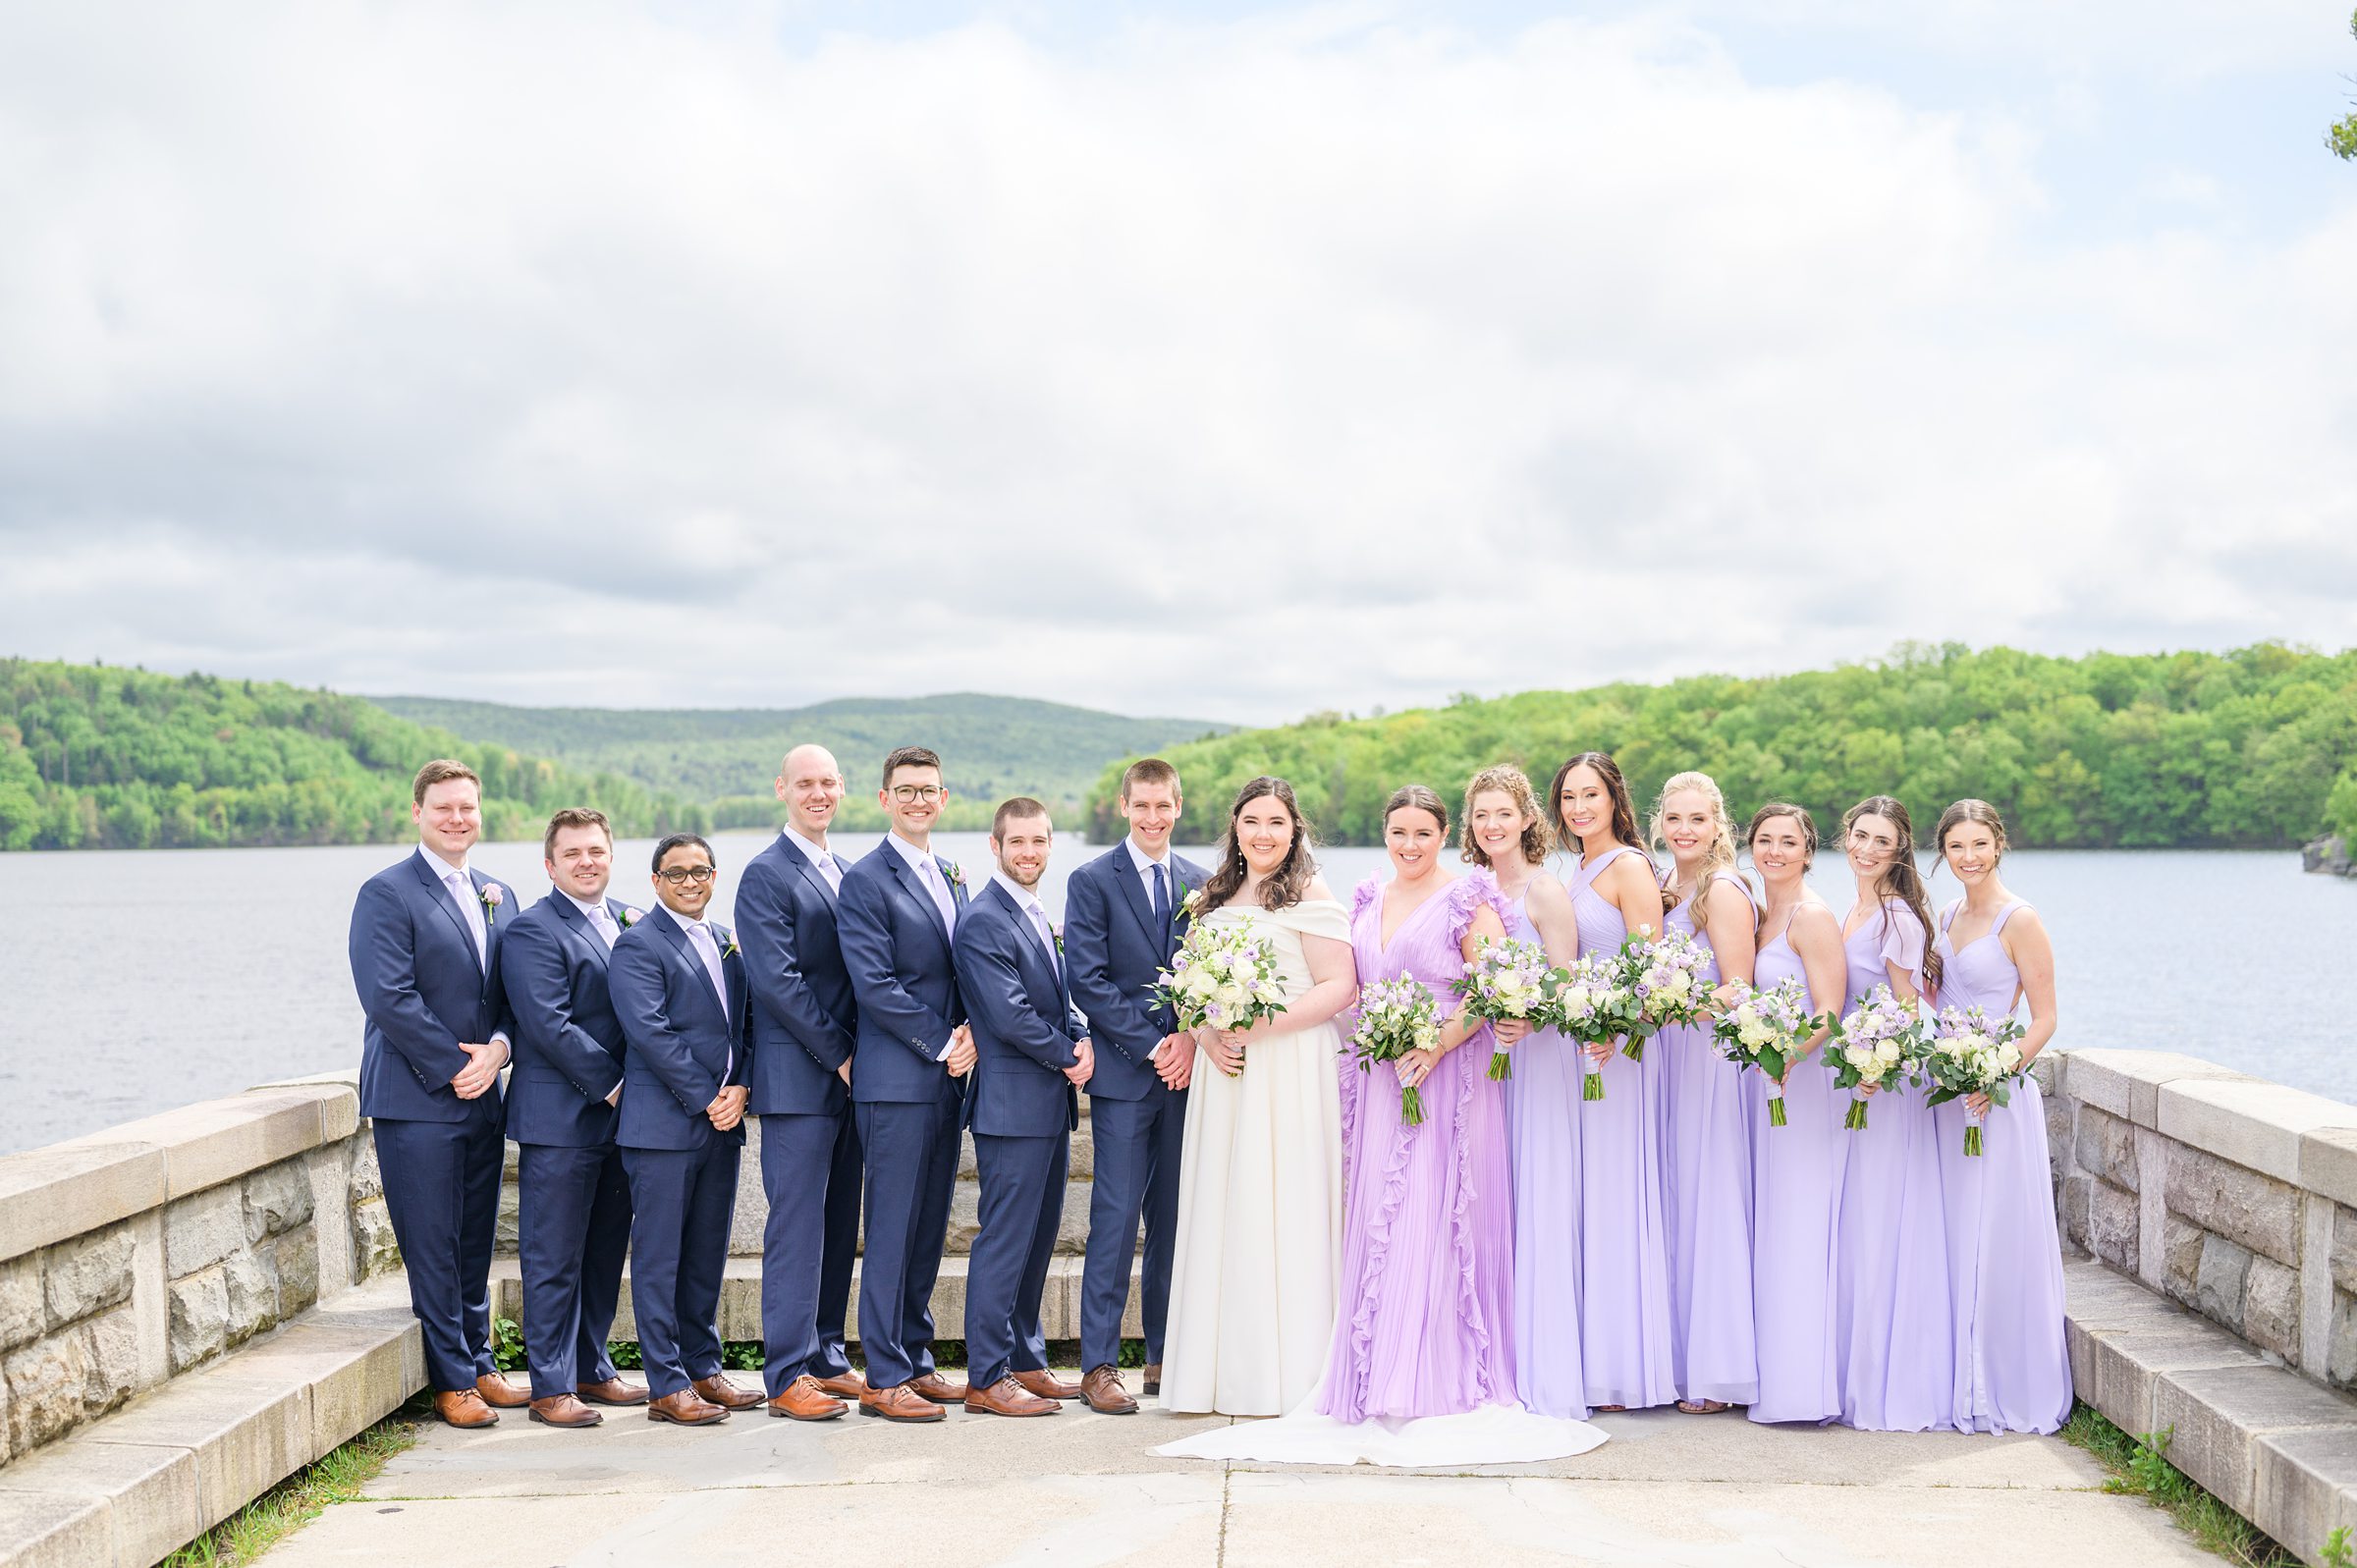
(2329, 856)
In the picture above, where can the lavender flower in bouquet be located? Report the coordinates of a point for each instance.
(1768, 1030)
(1593, 1008)
(1971, 1053)
(1395, 1017)
(1224, 977)
(1878, 1043)
(1509, 980)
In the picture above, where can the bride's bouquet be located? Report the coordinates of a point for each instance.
(1224, 977)
(1395, 1017)
(1664, 975)
(1593, 1008)
(1509, 981)
(1968, 1054)
(1766, 1030)
(1879, 1043)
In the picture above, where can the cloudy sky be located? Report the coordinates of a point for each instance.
(1219, 360)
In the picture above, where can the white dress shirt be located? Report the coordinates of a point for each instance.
(821, 858)
(1145, 873)
(708, 949)
(929, 877)
(1028, 902)
(460, 886)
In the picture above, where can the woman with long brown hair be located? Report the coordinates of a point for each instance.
(1253, 1282)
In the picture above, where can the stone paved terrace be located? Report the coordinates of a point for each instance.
(1079, 1488)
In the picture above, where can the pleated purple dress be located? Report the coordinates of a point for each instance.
(1542, 1103)
(2005, 1260)
(1426, 1323)
(1892, 1307)
(1624, 1241)
(1797, 1171)
(1706, 1129)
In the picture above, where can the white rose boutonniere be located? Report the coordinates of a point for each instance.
(728, 942)
(955, 872)
(628, 916)
(492, 899)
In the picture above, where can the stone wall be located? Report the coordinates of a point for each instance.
(2234, 1197)
(142, 1252)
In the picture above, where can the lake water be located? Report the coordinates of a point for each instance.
(135, 981)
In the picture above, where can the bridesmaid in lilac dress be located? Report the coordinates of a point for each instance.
(1891, 1318)
(1706, 1129)
(1506, 833)
(2005, 1265)
(1427, 1320)
(1797, 1168)
(1624, 1244)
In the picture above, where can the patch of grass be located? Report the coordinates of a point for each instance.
(336, 1477)
(2140, 1467)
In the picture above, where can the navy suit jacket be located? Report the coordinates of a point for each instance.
(567, 1040)
(1025, 1025)
(422, 988)
(1116, 952)
(904, 977)
(677, 1043)
(802, 1017)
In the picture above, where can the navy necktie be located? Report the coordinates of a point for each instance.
(1162, 899)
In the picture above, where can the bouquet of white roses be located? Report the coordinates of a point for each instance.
(1971, 1053)
(1665, 976)
(1878, 1043)
(1766, 1030)
(1395, 1017)
(1595, 1006)
(1509, 980)
(1224, 977)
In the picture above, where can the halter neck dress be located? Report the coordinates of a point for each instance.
(2004, 1262)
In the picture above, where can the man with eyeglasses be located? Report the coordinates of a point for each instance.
(801, 1018)
(896, 920)
(678, 988)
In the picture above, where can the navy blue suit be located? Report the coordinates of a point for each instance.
(897, 954)
(1023, 1110)
(681, 1050)
(425, 989)
(800, 1022)
(573, 1219)
(1116, 950)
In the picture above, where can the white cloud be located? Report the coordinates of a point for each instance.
(560, 352)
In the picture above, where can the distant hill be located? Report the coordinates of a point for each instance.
(991, 747)
(2255, 747)
(92, 756)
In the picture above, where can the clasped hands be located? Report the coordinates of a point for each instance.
(727, 1108)
(481, 1071)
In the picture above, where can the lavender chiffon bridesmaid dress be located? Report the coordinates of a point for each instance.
(1892, 1307)
(1624, 1243)
(1707, 1179)
(1797, 1170)
(1542, 1103)
(2005, 1260)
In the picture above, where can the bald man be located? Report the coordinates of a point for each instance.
(801, 1021)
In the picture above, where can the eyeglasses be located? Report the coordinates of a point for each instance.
(912, 794)
(681, 875)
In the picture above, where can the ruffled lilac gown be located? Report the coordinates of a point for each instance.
(2005, 1260)
(1797, 1171)
(1624, 1242)
(1892, 1307)
(1542, 1104)
(1706, 1131)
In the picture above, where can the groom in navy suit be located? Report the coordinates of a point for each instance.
(896, 919)
(802, 1022)
(1032, 1053)
(1125, 920)
(677, 984)
(425, 946)
(573, 1219)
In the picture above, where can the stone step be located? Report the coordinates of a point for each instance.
(741, 1300)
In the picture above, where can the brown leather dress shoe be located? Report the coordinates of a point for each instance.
(843, 1385)
(1153, 1377)
(934, 1386)
(1006, 1397)
(898, 1403)
(685, 1409)
(1102, 1391)
(564, 1410)
(725, 1394)
(613, 1391)
(1047, 1386)
(804, 1400)
(501, 1394)
(464, 1409)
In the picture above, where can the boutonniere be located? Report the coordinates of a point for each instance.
(492, 899)
(1055, 930)
(955, 872)
(728, 943)
(627, 918)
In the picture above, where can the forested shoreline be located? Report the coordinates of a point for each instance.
(2254, 748)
